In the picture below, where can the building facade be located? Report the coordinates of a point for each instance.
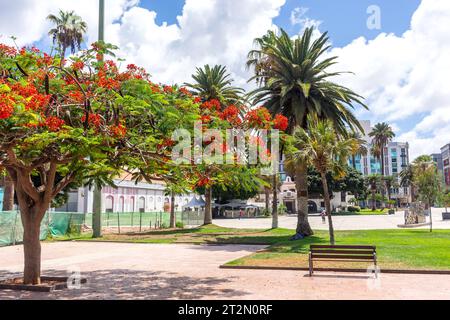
(127, 197)
(445, 153)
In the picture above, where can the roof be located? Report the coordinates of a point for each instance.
(195, 203)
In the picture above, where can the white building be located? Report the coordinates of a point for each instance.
(127, 197)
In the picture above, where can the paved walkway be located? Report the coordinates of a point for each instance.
(161, 271)
(362, 222)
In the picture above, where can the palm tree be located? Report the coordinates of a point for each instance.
(68, 31)
(294, 81)
(361, 146)
(389, 182)
(381, 135)
(373, 182)
(215, 83)
(322, 148)
(407, 180)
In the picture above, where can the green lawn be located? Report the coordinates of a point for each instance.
(363, 212)
(397, 249)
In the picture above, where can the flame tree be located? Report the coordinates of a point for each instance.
(77, 121)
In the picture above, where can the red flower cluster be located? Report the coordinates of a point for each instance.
(231, 114)
(78, 65)
(206, 119)
(7, 50)
(76, 96)
(93, 119)
(168, 89)
(118, 131)
(46, 60)
(6, 108)
(280, 122)
(211, 105)
(259, 118)
(53, 123)
(165, 143)
(185, 92)
(37, 101)
(106, 82)
(202, 182)
(197, 100)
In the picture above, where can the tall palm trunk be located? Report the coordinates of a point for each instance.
(173, 219)
(301, 184)
(208, 206)
(374, 206)
(326, 195)
(8, 195)
(274, 203)
(267, 198)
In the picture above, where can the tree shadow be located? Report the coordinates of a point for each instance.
(124, 284)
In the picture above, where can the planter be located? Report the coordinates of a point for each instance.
(48, 284)
(445, 215)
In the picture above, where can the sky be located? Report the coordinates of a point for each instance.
(397, 50)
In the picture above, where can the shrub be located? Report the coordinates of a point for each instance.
(354, 209)
(180, 225)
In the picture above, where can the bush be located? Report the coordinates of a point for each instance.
(266, 213)
(180, 225)
(354, 209)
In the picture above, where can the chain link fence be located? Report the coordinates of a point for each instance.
(59, 224)
(54, 223)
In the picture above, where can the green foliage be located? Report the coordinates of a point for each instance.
(354, 208)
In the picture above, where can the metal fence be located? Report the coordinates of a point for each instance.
(59, 224)
(53, 223)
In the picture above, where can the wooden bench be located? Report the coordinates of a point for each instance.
(341, 253)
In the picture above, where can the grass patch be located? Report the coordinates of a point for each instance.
(396, 249)
(363, 212)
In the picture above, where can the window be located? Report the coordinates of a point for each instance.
(109, 204)
(141, 204)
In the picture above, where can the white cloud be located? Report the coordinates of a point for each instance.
(299, 17)
(406, 76)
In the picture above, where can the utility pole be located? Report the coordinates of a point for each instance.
(97, 205)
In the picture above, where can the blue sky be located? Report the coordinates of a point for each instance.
(345, 20)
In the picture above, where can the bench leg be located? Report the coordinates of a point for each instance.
(375, 264)
(310, 265)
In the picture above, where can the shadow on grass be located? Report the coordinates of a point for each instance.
(124, 284)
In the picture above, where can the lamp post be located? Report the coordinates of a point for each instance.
(97, 205)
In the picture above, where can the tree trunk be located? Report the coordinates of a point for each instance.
(32, 214)
(431, 217)
(374, 207)
(31, 247)
(208, 207)
(8, 195)
(267, 198)
(301, 184)
(326, 195)
(173, 222)
(354, 161)
(275, 203)
(97, 213)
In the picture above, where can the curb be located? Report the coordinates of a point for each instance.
(392, 271)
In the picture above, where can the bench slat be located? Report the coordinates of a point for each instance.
(317, 246)
(366, 252)
(335, 256)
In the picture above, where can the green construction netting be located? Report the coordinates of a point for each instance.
(54, 223)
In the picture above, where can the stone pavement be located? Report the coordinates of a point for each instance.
(362, 222)
(163, 271)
